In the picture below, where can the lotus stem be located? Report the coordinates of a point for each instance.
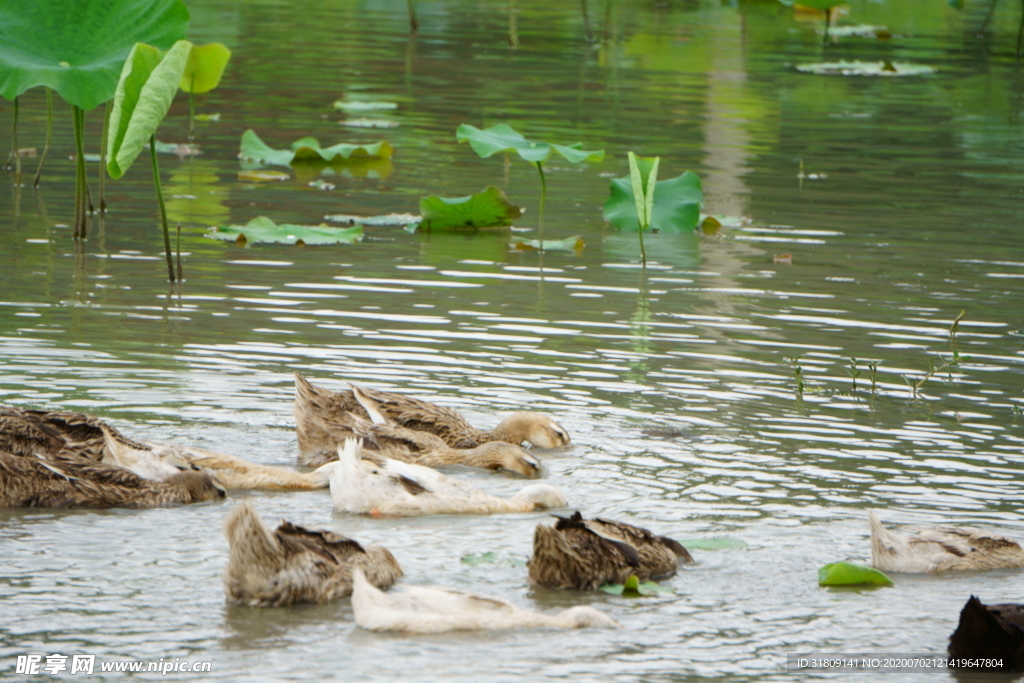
(180, 278)
(643, 253)
(163, 209)
(49, 134)
(14, 146)
(540, 211)
(191, 120)
(513, 27)
(1020, 29)
(414, 25)
(103, 156)
(586, 21)
(828, 24)
(607, 19)
(81, 182)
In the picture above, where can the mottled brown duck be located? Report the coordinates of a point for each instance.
(294, 564)
(320, 417)
(989, 632)
(586, 553)
(941, 549)
(68, 480)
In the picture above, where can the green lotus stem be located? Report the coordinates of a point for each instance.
(513, 25)
(540, 211)
(14, 146)
(1020, 29)
(191, 119)
(163, 209)
(607, 19)
(413, 24)
(828, 23)
(643, 252)
(49, 134)
(586, 21)
(178, 250)
(103, 155)
(81, 183)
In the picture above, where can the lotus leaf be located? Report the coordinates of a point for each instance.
(712, 543)
(849, 574)
(676, 204)
(368, 123)
(208, 117)
(204, 68)
(360, 106)
(490, 557)
(261, 176)
(858, 68)
(860, 31)
(486, 209)
(503, 138)
(78, 48)
(148, 83)
(254, 150)
(574, 243)
(634, 588)
(390, 219)
(814, 4)
(262, 229)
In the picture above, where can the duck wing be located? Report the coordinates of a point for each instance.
(638, 536)
(576, 521)
(451, 602)
(962, 542)
(423, 416)
(393, 440)
(333, 548)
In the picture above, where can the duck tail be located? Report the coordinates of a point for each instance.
(882, 540)
(369, 405)
(252, 544)
(347, 475)
(539, 497)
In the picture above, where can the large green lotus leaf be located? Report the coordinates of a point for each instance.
(503, 138)
(204, 68)
(485, 209)
(676, 204)
(143, 96)
(262, 229)
(858, 68)
(78, 47)
(254, 151)
(849, 574)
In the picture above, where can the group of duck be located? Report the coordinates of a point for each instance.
(377, 451)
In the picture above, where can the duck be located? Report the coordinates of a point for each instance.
(429, 450)
(418, 609)
(383, 486)
(31, 432)
(320, 421)
(294, 564)
(69, 480)
(941, 549)
(994, 632)
(587, 553)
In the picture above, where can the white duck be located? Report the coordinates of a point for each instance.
(941, 549)
(389, 487)
(416, 609)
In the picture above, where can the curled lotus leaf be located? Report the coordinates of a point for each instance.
(263, 229)
(850, 574)
(486, 209)
(503, 138)
(254, 151)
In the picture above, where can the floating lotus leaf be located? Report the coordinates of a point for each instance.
(389, 219)
(676, 204)
(634, 588)
(858, 68)
(490, 557)
(78, 48)
(713, 543)
(574, 243)
(368, 123)
(254, 150)
(208, 117)
(359, 106)
(263, 176)
(813, 4)
(849, 574)
(262, 229)
(204, 68)
(486, 209)
(859, 31)
(502, 138)
(149, 81)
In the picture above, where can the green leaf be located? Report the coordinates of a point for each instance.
(858, 68)
(204, 68)
(849, 574)
(574, 243)
(388, 219)
(253, 150)
(814, 4)
(360, 106)
(634, 588)
(502, 138)
(78, 48)
(612, 588)
(712, 543)
(262, 229)
(481, 210)
(147, 87)
(675, 204)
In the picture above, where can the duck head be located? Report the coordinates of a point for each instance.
(198, 485)
(496, 455)
(534, 428)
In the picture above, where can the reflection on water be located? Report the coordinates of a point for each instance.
(677, 381)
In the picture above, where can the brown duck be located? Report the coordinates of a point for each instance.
(68, 480)
(320, 417)
(31, 432)
(294, 564)
(993, 632)
(586, 553)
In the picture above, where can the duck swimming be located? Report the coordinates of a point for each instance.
(321, 422)
(994, 632)
(68, 480)
(31, 432)
(416, 609)
(294, 564)
(587, 553)
(383, 486)
(941, 549)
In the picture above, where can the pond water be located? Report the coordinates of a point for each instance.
(676, 382)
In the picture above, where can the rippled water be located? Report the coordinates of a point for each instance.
(674, 382)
